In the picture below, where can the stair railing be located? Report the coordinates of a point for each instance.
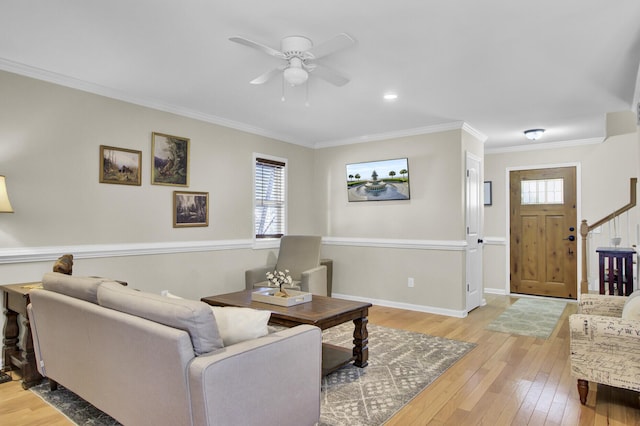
(585, 229)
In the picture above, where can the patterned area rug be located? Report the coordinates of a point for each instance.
(401, 364)
(529, 317)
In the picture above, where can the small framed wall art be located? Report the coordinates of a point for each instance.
(120, 166)
(190, 209)
(487, 193)
(170, 160)
(378, 180)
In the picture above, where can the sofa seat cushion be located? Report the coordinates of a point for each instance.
(84, 288)
(192, 316)
(239, 324)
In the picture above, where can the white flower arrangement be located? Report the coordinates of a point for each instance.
(279, 278)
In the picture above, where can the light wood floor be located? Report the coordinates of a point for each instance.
(505, 380)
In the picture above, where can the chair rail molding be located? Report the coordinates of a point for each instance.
(89, 251)
(92, 251)
(451, 245)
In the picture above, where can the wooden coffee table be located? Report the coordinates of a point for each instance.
(323, 312)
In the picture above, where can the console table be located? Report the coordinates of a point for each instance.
(618, 278)
(16, 299)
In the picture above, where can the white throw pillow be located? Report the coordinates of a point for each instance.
(166, 293)
(239, 324)
(631, 310)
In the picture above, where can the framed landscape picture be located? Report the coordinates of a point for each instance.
(170, 160)
(378, 180)
(190, 209)
(120, 166)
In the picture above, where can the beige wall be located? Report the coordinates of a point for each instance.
(435, 182)
(372, 243)
(604, 187)
(49, 151)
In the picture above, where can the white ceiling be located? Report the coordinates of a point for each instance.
(501, 66)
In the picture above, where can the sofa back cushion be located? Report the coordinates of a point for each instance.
(84, 288)
(192, 316)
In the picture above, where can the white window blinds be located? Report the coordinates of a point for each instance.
(270, 198)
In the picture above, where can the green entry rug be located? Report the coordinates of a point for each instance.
(401, 364)
(530, 317)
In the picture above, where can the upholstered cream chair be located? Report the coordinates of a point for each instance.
(605, 342)
(300, 254)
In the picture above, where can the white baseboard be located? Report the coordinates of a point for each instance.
(407, 306)
(499, 291)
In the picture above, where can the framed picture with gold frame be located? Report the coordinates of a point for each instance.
(190, 209)
(169, 160)
(120, 166)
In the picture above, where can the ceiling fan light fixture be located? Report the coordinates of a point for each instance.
(533, 134)
(295, 76)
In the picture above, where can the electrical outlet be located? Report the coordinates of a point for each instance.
(410, 282)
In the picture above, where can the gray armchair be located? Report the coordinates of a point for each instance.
(300, 254)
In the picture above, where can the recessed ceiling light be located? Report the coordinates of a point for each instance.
(390, 96)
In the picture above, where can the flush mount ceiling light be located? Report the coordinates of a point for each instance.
(390, 96)
(533, 134)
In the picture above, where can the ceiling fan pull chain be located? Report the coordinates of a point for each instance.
(282, 98)
(306, 101)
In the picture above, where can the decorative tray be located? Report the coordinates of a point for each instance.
(267, 296)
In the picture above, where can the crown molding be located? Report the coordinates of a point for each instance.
(474, 132)
(85, 86)
(544, 146)
(96, 89)
(436, 128)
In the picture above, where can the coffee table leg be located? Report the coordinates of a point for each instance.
(361, 342)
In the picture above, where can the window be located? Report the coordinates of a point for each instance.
(270, 197)
(542, 191)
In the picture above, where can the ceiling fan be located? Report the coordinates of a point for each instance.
(299, 55)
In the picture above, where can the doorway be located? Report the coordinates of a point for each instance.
(543, 232)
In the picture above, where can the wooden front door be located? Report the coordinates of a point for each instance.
(543, 232)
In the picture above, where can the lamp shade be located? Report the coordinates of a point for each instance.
(5, 204)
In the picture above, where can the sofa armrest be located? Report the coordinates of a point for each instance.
(271, 380)
(315, 280)
(604, 350)
(600, 304)
(256, 275)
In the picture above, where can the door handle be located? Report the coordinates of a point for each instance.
(570, 238)
(480, 241)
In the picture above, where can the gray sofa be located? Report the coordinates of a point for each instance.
(146, 359)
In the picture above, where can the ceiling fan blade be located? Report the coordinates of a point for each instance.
(267, 75)
(332, 76)
(339, 42)
(250, 43)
